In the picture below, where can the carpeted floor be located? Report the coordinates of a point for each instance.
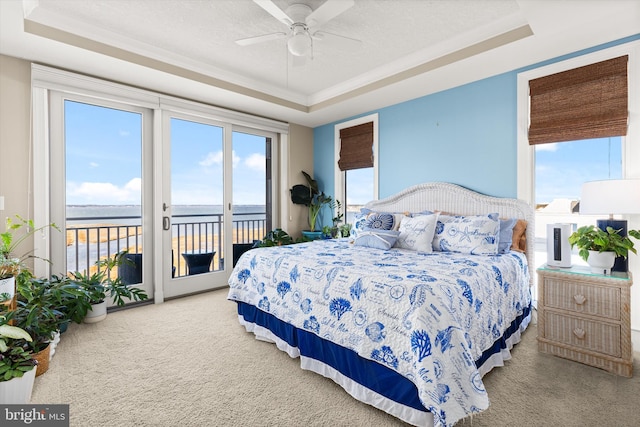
(188, 362)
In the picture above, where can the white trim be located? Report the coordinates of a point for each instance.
(77, 84)
(338, 174)
(283, 175)
(40, 155)
(72, 83)
(158, 188)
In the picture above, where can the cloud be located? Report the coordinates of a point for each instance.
(213, 158)
(94, 164)
(134, 186)
(216, 158)
(256, 161)
(124, 133)
(104, 193)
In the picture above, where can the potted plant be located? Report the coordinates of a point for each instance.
(40, 311)
(310, 196)
(276, 237)
(599, 248)
(9, 242)
(104, 282)
(9, 269)
(10, 264)
(17, 373)
(337, 230)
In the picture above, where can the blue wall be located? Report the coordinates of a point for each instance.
(466, 135)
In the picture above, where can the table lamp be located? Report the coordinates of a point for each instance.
(612, 197)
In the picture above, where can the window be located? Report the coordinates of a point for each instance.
(356, 186)
(560, 170)
(358, 190)
(529, 158)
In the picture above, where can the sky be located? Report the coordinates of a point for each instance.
(562, 168)
(104, 167)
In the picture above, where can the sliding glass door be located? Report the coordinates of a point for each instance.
(194, 214)
(183, 188)
(101, 198)
(217, 200)
(252, 188)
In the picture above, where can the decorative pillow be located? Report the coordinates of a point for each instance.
(474, 234)
(506, 234)
(416, 233)
(376, 238)
(519, 240)
(378, 220)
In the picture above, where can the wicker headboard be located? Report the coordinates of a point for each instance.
(447, 197)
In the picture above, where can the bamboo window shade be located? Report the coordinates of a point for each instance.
(356, 147)
(582, 103)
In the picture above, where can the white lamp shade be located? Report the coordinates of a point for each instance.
(610, 197)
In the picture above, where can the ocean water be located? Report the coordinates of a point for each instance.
(81, 255)
(130, 214)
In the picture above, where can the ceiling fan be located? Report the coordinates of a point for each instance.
(302, 22)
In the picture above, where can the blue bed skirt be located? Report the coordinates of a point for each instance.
(370, 374)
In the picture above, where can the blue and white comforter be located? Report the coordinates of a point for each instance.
(427, 316)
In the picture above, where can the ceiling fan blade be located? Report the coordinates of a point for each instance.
(329, 10)
(259, 39)
(337, 41)
(274, 11)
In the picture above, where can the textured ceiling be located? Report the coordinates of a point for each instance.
(409, 48)
(203, 32)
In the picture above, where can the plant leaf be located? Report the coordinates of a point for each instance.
(14, 332)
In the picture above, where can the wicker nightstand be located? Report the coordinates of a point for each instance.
(585, 317)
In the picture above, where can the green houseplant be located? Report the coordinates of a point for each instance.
(102, 284)
(311, 196)
(276, 237)
(9, 241)
(592, 242)
(17, 373)
(9, 269)
(41, 312)
(10, 264)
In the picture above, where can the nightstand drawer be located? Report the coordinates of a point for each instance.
(595, 336)
(603, 301)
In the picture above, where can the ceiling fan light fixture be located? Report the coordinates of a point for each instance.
(299, 44)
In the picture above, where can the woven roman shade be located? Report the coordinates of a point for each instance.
(356, 147)
(583, 103)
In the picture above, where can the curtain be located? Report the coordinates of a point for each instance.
(583, 103)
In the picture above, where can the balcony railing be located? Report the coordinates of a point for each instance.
(103, 237)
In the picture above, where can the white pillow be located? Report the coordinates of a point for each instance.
(376, 238)
(416, 233)
(474, 234)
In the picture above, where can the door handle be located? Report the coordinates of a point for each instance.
(166, 223)
(165, 207)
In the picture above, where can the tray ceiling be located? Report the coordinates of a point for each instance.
(402, 43)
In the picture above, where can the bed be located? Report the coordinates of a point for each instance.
(409, 328)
